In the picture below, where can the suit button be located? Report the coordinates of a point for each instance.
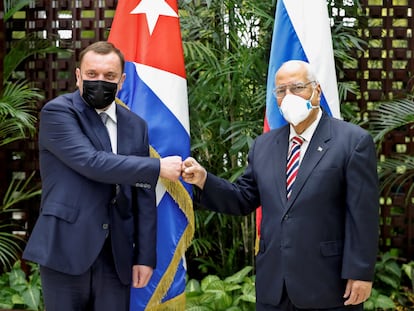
(286, 217)
(105, 226)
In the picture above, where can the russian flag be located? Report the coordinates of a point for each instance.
(301, 32)
(148, 34)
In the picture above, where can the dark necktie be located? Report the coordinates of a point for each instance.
(293, 164)
(104, 117)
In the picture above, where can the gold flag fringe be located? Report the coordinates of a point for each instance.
(175, 304)
(185, 203)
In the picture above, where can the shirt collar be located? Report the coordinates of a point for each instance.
(308, 133)
(110, 111)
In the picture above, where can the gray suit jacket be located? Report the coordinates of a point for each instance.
(327, 232)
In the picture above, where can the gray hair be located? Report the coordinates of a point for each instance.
(311, 76)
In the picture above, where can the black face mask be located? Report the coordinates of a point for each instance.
(99, 94)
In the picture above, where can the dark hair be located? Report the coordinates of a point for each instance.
(104, 48)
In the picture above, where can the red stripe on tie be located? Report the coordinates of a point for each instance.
(292, 166)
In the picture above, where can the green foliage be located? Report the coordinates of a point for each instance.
(236, 292)
(13, 6)
(396, 174)
(378, 301)
(19, 190)
(226, 63)
(408, 269)
(17, 122)
(392, 290)
(18, 97)
(19, 292)
(24, 48)
(227, 251)
(226, 74)
(397, 171)
(348, 46)
(391, 115)
(17, 108)
(386, 283)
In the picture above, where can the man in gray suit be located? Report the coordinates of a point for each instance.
(319, 230)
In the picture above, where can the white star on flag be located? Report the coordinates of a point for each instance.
(153, 9)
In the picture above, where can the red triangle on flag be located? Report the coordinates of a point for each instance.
(131, 34)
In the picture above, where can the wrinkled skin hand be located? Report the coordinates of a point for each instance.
(357, 292)
(193, 172)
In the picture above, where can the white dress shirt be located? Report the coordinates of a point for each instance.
(306, 135)
(111, 125)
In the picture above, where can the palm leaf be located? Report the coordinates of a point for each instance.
(9, 246)
(26, 47)
(391, 115)
(395, 173)
(17, 108)
(13, 6)
(19, 191)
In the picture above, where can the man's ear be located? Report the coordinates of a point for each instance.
(319, 90)
(121, 81)
(78, 77)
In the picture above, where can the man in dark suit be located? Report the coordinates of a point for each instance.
(318, 242)
(96, 232)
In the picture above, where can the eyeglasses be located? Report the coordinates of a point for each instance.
(294, 88)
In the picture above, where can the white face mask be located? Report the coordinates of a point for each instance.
(296, 109)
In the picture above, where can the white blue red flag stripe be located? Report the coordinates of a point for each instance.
(148, 34)
(301, 32)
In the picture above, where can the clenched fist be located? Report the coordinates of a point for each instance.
(193, 173)
(170, 167)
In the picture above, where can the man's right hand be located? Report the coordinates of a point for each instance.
(170, 167)
(194, 173)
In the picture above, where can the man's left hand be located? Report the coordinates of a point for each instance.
(357, 292)
(141, 275)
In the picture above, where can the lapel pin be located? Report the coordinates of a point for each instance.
(320, 149)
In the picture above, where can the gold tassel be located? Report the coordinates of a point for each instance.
(185, 203)
(175, 304)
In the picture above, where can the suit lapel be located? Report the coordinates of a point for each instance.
(99, 129)
(317, 148)
(92, 124)
(279, 155)
(123, 131)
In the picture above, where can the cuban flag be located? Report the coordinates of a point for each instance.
(148, 34)
(301, 32)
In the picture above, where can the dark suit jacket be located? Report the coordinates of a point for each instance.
(89, 193)
(328, 230)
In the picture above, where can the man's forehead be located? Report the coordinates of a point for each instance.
(97, 58)
(289, 77)
(96, 65)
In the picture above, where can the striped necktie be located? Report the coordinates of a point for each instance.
(293, 164)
